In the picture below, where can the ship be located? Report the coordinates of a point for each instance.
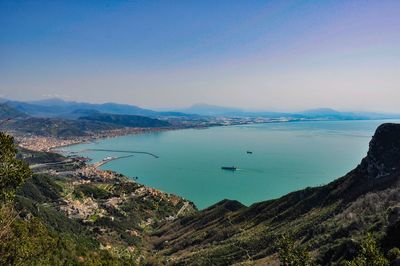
(249, 152)
(231, 168)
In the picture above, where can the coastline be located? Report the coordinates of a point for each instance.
(59, 143)
(54, 144)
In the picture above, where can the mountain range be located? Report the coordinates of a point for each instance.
(319, 113)
(68, 109)
(59, 108)
(78, 124)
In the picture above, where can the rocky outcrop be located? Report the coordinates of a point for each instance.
(383, 157)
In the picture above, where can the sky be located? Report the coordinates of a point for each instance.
(256, 55)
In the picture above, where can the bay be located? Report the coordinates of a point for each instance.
(285, 157)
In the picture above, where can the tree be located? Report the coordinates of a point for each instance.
(28, 240)
(291, 254)
(13, 172)
(369, 254)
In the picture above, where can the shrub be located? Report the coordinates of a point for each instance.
(13, 172)
(291, 254)
(369, 254)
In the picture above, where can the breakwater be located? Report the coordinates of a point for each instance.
(123, 151)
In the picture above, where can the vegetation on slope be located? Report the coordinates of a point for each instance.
(59, 217)
(59, 108)
(88, 122)
(7, 112)
(24, 237)
(126, 120)
(65, 128)
(54, 127)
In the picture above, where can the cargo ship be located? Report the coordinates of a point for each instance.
(231, 168)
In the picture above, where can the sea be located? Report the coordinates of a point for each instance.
(271, 159)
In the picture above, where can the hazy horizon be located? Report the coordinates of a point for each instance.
(253, 55)
(202, 105)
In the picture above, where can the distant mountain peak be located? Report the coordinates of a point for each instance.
(56, 107)
(208, 109)
(323, 110)
(8, 112)
(206, 105)
(51, 101)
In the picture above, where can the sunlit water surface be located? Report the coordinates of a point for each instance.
(285, 157)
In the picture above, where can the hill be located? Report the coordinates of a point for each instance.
(211, 110)
(85, 122)
(25, 124)
(68, 213)
(331, 114)
(55, 127)
(59, 108)
(8, 112)
(125, 120)
(312, 114)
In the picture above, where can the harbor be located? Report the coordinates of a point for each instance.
(109, 159)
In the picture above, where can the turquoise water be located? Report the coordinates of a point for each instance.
(286, 157)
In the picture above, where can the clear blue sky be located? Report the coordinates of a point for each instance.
(279, 55)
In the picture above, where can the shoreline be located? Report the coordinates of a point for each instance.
(126, 132)
(55, 144)
(135, 131)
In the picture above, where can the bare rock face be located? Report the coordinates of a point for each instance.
(383, 157)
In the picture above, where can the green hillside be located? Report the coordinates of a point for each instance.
(8, 112)
(65, 128)
(55, 127)
(126, 120)
(62, 214)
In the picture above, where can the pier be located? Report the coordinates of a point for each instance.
(104, 161)
(124, 151)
